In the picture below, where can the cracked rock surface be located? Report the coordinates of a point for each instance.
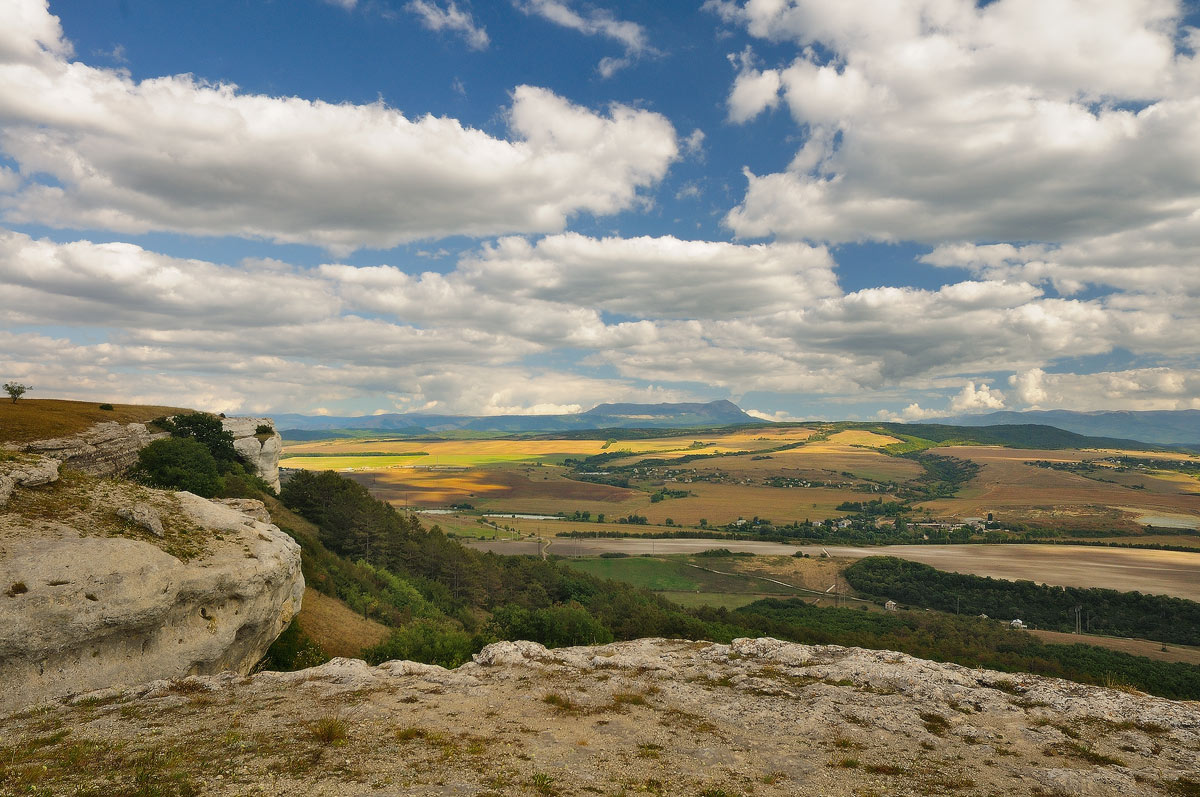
(652, 716)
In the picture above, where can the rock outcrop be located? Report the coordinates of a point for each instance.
(25, 471)
(260, 451)
(111, 448)
(107, 583)
(652, 716)
(105, 449)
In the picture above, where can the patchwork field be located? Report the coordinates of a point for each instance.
(785, 474)
(1009, 487)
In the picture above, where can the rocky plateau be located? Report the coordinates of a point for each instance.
(652, 716)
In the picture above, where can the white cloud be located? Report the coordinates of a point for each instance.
(662, 277)
(753, 92)
(178, 154)
(452, 18)
(346, 4)
(596, 22)
(1158, 388)
(973, 399)
(694, 143)
(1011, 120)
(661, 313)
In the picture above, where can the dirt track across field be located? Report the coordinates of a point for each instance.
(1126, 569)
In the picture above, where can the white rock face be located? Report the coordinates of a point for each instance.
(111, 448)
(27, 471)
(105, 449)
(99, 611)
(262, 455)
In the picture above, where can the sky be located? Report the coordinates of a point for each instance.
(842, 209)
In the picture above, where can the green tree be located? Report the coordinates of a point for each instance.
(15, 390)
(206, 429)
(178, 464)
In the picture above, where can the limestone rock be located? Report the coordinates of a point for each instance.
(105, 611)
(261, 452)
(105, 449)
(655, 716)
(144, 516)
(25, 471)
(247, 506)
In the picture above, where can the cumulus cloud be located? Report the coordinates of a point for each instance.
(451, 18)
(977, 399)
(1158, 388)
(179, 154)
(658, 317)
(952, 120)
(662, 277)
(595, 22)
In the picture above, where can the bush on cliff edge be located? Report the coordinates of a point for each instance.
(178, 463)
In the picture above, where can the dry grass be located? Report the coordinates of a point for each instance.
(1135, 647)
(336, 627)
(39, 419)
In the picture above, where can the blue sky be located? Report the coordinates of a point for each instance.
(811, 208)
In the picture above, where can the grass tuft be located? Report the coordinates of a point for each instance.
(329, 731)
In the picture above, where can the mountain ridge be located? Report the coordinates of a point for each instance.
(1161, 427)
(667, 415)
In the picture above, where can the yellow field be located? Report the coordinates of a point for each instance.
(855, 437)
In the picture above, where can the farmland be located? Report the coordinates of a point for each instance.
(767, 476)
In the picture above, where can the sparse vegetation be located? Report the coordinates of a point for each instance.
(329, 731)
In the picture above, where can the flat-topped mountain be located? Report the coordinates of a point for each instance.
(603, 416)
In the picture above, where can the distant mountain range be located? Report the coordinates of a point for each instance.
(603, 416)
(1161, 427)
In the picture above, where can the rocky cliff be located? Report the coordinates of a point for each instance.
(105, 582)
(261, 451)
(111, 448)
(663, 717)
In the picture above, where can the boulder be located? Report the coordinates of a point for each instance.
(144, 516)
(103, 611)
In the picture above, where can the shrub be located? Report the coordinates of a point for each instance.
(264, 428)
(206, 429)
(427, 641)
(178, 463)
(293, 650)
(106, 407)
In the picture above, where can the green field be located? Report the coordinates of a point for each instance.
(677, 575)
(728, 600)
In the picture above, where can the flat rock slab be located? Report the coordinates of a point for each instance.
(653, 716)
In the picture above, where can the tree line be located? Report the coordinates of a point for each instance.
(1105, 611)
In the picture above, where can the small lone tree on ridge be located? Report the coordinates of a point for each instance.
(15, 390)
